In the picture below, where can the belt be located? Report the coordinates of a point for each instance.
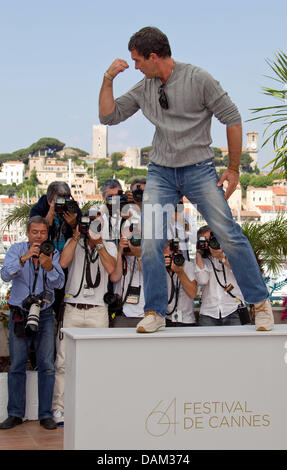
(82, 306)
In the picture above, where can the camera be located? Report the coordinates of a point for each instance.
(113, 201)
(175, 257)
(65, 204)
(88, 222)
(33, 303)
(47, 247)
(114, 302)
(138, 193)
(84, 224)
(203, 245)
(135, 239)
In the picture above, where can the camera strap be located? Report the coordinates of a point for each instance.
(91, 259)
(227, 288)
(130, 282)
(174, 291)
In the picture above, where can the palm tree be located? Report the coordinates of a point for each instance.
(269, 243)
(276, 115)
(17, 214)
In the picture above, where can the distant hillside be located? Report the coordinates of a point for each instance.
(48, 145)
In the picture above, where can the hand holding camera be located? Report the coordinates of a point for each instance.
(43, 252)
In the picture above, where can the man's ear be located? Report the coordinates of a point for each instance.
(154, 57)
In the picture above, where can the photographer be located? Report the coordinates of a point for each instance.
(181, 285)
(222, 300)
(183, 227)
(89, 260)
(34, 269)
(60, 210)
(128, 282)
(114, 198)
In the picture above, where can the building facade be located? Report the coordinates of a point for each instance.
(100, 141)
(12, 172)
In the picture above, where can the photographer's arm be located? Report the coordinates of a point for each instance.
(14, 262)
(109, 262)
(55, 275)
(218, 254)
(201, 271)
(68, 252)
(118, 272)
(189, 286)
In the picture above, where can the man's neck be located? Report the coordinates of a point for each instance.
(166, 68)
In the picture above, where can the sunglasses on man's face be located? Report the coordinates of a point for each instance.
(162, 98)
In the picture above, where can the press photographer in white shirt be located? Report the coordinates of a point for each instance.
(222, 300)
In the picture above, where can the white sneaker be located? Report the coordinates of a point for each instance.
(264, 320)
(58, 417)
(151, 322)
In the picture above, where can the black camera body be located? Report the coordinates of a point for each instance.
(138, 193)
(84, 224)
(135, 239)
(65, 204)
(33, 303)
(203, 245)
(47, 247)
(114, 302)
(113, 201)
(88, 222)
(175, 257)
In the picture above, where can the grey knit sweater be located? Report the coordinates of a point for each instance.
(182, 135)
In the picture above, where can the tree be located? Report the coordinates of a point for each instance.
(48, 144)
(276, 116)
(115, 158)
(245, 162)
(269, 243)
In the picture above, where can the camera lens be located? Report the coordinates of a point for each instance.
(32, 319)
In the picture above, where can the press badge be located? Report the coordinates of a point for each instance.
(88, 291)
(133, 295)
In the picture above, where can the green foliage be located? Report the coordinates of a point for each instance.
(17, 214)
(276, 116)
(45, 143)
(217, 152)
(115, 158)
(269, 243)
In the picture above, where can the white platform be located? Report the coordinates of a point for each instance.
(182, 388)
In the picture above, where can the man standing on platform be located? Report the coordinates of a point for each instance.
(180, 100)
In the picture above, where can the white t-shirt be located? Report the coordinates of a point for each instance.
(92, 296)
(185, 305)
(120, 287)
(215, 301)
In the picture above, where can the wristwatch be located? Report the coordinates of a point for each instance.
(223, 260)
(99, 246)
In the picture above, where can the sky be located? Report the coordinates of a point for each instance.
(53, 56)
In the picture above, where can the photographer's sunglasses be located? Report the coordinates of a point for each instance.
(162, 97)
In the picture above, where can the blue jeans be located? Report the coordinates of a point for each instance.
(230, 320)
(19, 348)
(166, 186)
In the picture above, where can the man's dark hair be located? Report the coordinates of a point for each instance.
(148, 40)
(37, 219)
(202, 230)
(137, 181)
(60, 188)
(110, 184)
